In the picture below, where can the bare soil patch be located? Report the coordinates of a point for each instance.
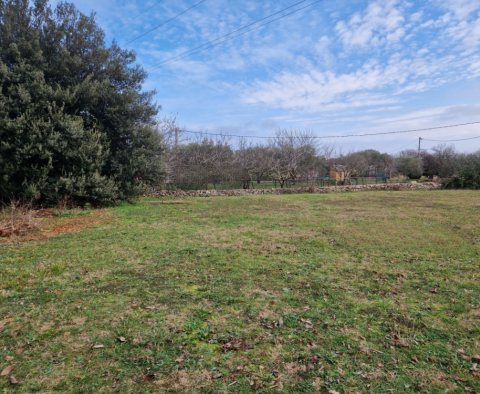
(48, 224)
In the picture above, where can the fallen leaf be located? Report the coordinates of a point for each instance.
(77, 375)
(7, 370)
(19, 351)
(13, 380)
(476, 358)
(434, 291)
(333, 392)
(66, 334)
(280, 385)
(148, 377)
(180, 360)
(149, 345)
(14, 334)
(414, 359)
(98, 347)
(149, 307)
(280, 322)
(217, 376)
(460, 379)
(58, 291)
(120, 339)
(9, 358)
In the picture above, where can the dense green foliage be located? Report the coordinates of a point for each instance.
(73, 117)
(468, 177)
(410, 166)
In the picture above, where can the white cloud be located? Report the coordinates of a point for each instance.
(461, 9)
(467, 33)
(381, 23)
(369, 85)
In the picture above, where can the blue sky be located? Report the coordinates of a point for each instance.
(337, 67)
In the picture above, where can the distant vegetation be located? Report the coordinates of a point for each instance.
(295, 155)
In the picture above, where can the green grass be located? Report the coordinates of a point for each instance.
(371, 292)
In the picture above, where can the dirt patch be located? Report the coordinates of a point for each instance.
(53, 226)
(43, 213)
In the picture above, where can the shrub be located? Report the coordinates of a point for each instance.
(409, 166)
(467, 178)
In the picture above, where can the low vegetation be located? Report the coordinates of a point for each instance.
(351, 293)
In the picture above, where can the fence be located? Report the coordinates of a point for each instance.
(224, 184)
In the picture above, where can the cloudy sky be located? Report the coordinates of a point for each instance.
(336, 67)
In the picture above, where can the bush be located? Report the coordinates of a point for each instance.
(410, 166)
(467, 178)
(73, 117)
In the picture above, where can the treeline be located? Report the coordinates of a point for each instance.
(296, 155)
(455, 169)
(289, 154)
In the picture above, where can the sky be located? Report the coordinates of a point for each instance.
(336, 67)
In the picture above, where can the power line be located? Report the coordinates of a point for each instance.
(164, 23)
(404, 146)
(229, 34)
(131, 20)
(464, 139)
(343, 136)
(190, 53)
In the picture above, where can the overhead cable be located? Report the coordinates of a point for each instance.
(190, 53)
(413, 142)
(463, 139)
(229, 34)
(164, 23)
(345, 136)
(131, 20)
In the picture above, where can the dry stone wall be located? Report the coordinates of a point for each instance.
(297, 190)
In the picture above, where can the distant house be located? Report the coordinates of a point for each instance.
(336, 173)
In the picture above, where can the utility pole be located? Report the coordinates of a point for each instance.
(419, 145)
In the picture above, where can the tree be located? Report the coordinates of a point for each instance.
(445, 158)
(291, 153)
(73, 117)
(355, 164)
(409, 166)
(201, 162)
(468, 176)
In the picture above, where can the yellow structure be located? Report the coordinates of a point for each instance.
(336, 173)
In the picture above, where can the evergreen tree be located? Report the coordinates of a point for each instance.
(73, 117)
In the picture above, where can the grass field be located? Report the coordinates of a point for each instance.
(374, 292)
